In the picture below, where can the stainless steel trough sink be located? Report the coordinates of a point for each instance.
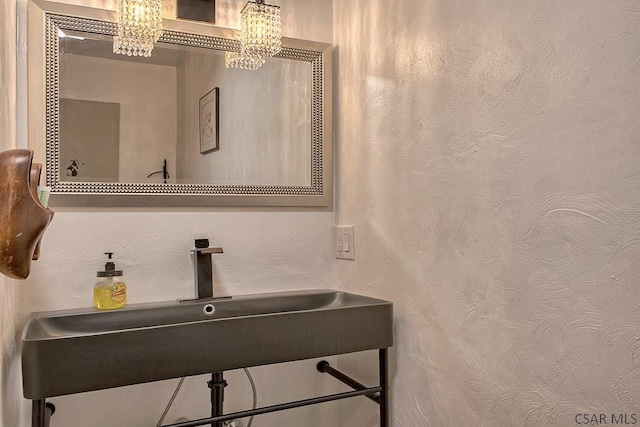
(73, 351)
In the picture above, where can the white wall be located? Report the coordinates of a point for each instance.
(265, 250)
(488, 158)
(9, 363)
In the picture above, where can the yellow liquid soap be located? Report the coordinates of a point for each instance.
(110, 294)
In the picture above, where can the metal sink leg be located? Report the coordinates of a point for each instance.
(217, 385)
(41, 412)
(384, 384)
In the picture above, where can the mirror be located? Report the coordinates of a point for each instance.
(180, 129)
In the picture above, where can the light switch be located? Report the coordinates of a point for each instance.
(345, 243)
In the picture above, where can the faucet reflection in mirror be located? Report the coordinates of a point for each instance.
(260, 36)
(139, 27)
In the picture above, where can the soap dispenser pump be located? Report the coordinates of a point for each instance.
(109, 292)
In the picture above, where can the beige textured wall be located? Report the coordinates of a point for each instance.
(10, 377)
(488, 155)
(9, 364)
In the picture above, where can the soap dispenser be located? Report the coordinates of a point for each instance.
(110, 291)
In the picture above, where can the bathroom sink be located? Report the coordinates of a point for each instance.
(73, 351)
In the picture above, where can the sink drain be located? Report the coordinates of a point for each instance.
(208, 310)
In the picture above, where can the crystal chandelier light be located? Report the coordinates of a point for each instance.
(139, 27)
(260, 36)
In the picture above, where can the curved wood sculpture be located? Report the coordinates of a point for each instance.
(23, 219)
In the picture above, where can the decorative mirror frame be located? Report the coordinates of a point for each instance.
(319, 193)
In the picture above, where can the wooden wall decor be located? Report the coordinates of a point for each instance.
(23, 219)
(34, 176)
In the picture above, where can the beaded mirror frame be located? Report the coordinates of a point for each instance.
(318, 193)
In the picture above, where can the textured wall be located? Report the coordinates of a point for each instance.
(9, 364)
(488, 155)
(9, 367)
(265, 250)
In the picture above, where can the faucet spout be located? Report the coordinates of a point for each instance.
(203, 268)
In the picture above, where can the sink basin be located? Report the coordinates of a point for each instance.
(73, 351)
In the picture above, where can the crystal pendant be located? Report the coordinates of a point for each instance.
(260, 29)
(260, 36)
(139, 27)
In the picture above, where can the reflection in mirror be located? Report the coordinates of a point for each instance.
(181, 125)
(122, 117)
(89, 140)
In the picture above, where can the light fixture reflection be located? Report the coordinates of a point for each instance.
(139, 27)
(243, 60)
(260, 36)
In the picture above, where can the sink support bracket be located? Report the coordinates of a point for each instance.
(380, 398)
(42, 410)
(275, 408)
(379, 394)
(324, 367)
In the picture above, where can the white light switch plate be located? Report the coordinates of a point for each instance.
(345, 243)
